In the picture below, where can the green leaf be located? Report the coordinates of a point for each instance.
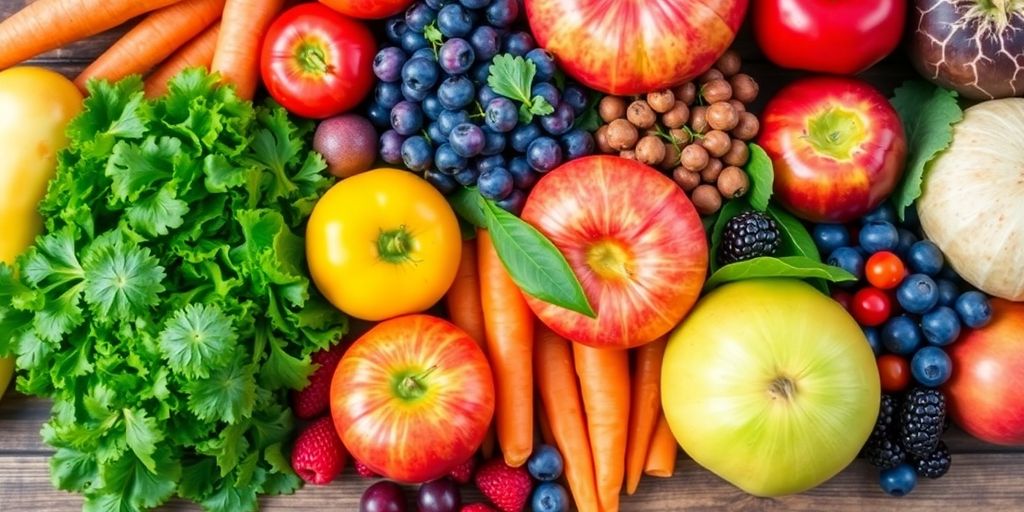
(433, 34)
(534, 263)
(283, 370)
(469, 205)
(795, 239)
(512, 77)
(228, 395)
(196, 339)
(762, 177)
(73, 470)
(540, 106)
(142, 435)
(122, 282)
(135, 169)
(157, 213)
(786, 266)
(928, 113)
(589, 120)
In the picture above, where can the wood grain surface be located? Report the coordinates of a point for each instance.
(983, 476)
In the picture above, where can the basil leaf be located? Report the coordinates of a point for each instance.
(786, 266)
(762, 177)
(730, 210)
(796, 240)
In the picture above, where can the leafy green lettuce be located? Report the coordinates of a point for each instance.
(166, 309)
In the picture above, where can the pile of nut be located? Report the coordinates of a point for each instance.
(698, 131)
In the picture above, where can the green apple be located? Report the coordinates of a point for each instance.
(770, 385)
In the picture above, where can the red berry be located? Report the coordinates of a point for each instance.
(871, 307)
(477, 507)
(364, 471)
(318, 455)
(894, 373)
(463, 473)
(885, 270)
(843, 297)
(507, 487)
(315, 399)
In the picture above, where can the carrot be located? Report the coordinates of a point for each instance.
(197, 53)
(45, 25)
(604, 385)
(560, 395)
(508, 327)
(661, 457)
(645, 405)
(237, 58)
(545, 426)
(153, 40)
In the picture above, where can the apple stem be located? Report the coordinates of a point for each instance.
(412, 386)
(783, 388)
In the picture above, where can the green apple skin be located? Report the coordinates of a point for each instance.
(771, 385)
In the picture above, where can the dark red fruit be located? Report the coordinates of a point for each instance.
(383, 497)
(315, 399)
(894, 373)
(318, 455)
(871, 307)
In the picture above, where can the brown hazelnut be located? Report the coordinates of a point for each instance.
(721, 116)
(716, 142)
(738, 153)
(716, 90)
(699, 119)
(601, 139)
(677, 116)
(622, 135)
(710, 75)
(661, 101)
(687, 180)
(744, 88)
(641, 114)
(711, 171)
(671, 159)
(747, 127)
(611, 108)
(686, 93)
(706, 199)
(650, 150)
(628, 154)
(738, 105)
(729, 63)
(694, 157)
(733, 182)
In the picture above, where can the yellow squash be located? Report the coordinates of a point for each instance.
(35, 107)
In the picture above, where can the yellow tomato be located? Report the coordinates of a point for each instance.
(35, 107)
(383, 243)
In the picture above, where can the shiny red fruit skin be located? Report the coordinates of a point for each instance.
(871, 307)
(337, 72)
(985, 390)
(842, 38)
(885, 270)
(893, 373)
(635, 46)
(820, 187)
(368, 9)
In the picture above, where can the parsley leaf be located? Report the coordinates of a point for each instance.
(512, 77)
(197, 338)
(122, 282)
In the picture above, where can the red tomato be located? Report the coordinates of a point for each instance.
(316, 62)
(825, 35)
(871, 307)
(894, 373)
(885, 270)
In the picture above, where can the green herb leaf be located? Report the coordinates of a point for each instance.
(469, 205)
(197, 338)
(786, 266)
(142, 436)
(540, 106)
(762, 177)
(433, 34)
(928, 113)
(796, 240)
(589, 120)
(512, 77)
(228, 395)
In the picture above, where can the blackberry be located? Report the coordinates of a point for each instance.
(935, 464)
(884, 452)
(921, 420)
(886, 424)
(748, 235)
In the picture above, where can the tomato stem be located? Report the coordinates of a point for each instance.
(312, 57)
(395, 246)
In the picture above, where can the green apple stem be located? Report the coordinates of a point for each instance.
(412, 387)
(782, 388)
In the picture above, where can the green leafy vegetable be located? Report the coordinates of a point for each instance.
(786, 266)
(762, 177)
(512, 77)
(928, 113)
(165, 310)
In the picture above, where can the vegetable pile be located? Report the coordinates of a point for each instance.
(166, 310)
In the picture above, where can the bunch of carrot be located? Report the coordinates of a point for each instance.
(224, 35)
(602, 412)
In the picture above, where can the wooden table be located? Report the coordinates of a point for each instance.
(983, 476)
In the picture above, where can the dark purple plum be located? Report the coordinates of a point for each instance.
(439, 496)
(383, 496)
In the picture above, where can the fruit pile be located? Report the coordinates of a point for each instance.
(697, 131)
(906, 441)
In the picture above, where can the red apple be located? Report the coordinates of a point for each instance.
(635, 242)
(635, 46)
(368, 9)
(413, 398)
(837, 145)
(984, 392)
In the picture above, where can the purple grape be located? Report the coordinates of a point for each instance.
(576, 97)
(391, 147)
(518, 43)
(467, 140)
(502, 13)
(439, 496)
(418, 16)
(501, 115)
(522, 174)
(543, 154)
(486, 43)
(496, 183)
(577, 143)
(387, 64)
(456, 56)
(523, 135)
(453, 20)
(387, 94)
(513, 202)
(407, 117)
(545, 63)
(383, 496)
(559, 121)
(456, 92)
(547, 91)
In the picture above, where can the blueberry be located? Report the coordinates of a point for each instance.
(550, 497)
(394, 28)
(848, 259)
(407, 118)
(431, 107)
(931, 366)
(882, 213)
(577, 143)
(412, 41)
(874, 339)
(940, 326)
(449, 119)
(489, 162)
(474, 4)
(456, 56)
(426, 53)
(387, 64)
(576, 97)
(523, 175)
(379, 116)
(543, 154)
(480, 72)
(467, 139)
(418, 16)
(447, 160)
(879, 236)
(559, 121)
(502, 13)
(486, 43)
(467, 177)
(548, 91)
(420, 74)
(485, 95)
(413, 95)
(925, 257)
(545, 63)
(387, 94)
(453, 20)
(513, 202)
(501, 115)
(829, 237)
(545, 464)
(948, 292)
(437, 136)
(417, 153)
(974, 309)
(898, 481)
(519, 43)
(456, 92)
(442, 182)
(901, 335)
(437, 4)
(907, 240)
(495, 183)
(523, 135)
(918, 294)
(391, 147)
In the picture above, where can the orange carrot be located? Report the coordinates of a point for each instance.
(545, 426)
(560, 395)
(604, 385)
(661, 457)
(153, 40)
(197, 53)
(45, 25)
(508, 327)
(645, 405)
(243, 25)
